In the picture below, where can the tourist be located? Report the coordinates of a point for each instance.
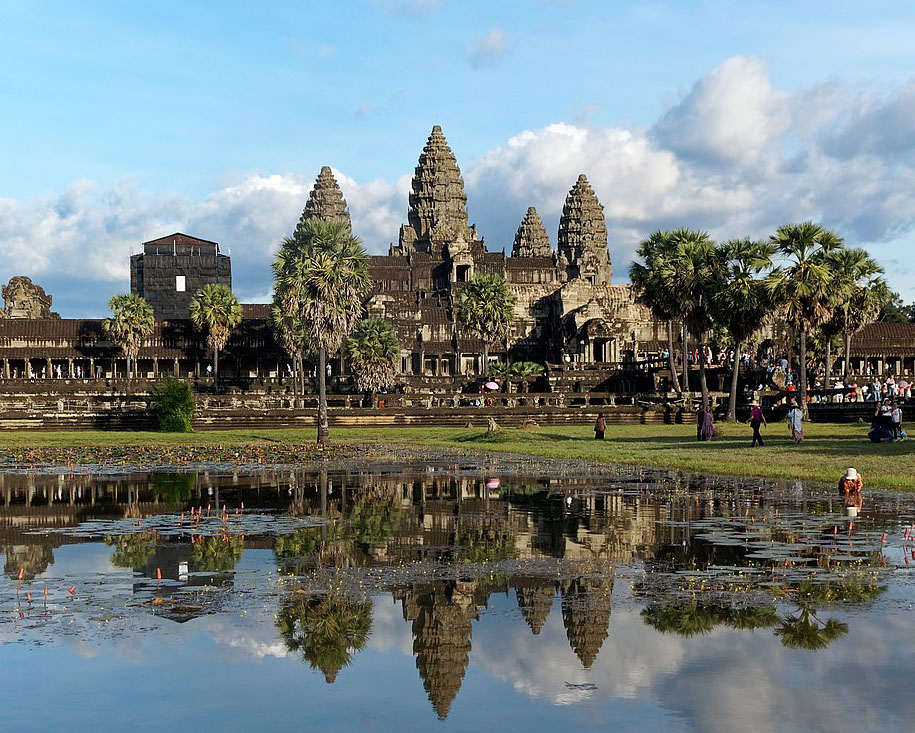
(600, 425)
(757, 418)
(903, 387)
(850, 486)
(891, 386)
(700, 419)
(796, 422)
(896, 420)
(708, 424)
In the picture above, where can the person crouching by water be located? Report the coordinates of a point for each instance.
(756, 419)
(850, 486)
(796, 423)
(600, 425)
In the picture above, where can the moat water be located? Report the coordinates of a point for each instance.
(450, 596)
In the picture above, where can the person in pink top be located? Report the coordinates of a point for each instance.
(756, 419)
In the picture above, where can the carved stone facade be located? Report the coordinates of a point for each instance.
(531, 239)
(582, 243)
(566, 308)
(24, 299)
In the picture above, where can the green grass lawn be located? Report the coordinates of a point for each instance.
(828, 450)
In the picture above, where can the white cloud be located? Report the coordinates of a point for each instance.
(734, 156)
(729, 116)
(487, 50)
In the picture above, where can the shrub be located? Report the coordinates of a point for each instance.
(173, 406)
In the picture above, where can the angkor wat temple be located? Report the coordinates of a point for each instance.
(568, 314)
(566, 307)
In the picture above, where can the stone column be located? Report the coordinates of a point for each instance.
(176, 369)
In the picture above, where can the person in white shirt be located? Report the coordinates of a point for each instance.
(896, 416)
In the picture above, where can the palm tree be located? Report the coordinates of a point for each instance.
(802, 287)
(291, 335)
(373, 350)
(525, 369)
(698, 268)
(806, 631)
(328, 629)
(861, 296)
(743, 302)
(131, 321)
(215, 308)
(485, 307)
(319, 277)
(657, 293)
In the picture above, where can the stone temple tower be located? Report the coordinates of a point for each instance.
(438, 204)
(531, 240)
(582, 244)
(326, 200)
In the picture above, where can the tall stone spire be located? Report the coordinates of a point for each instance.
(582, 243)
(531, 240)
(586, 606)
(438, 204)
(326, 200)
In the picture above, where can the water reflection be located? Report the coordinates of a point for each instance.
(448, 545)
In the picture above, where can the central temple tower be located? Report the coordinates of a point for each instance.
(438, 205)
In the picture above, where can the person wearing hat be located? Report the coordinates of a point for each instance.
(850, 486)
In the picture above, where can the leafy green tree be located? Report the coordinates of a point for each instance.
(373, 351)
(652, 284)
(743, 301)
(802, 288)
(216, 310)
(131, 321)
(896, 311)
(485, 307)
(173, 406)
(132, 550)
(320, 275)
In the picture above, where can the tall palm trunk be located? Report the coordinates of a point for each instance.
(703, 384)
(670, 358)
(485, 360)
(685, 365)
(323, 428)
(846, 368)
(215, 370)
(828, 378)
(802, 392)
(735, 376)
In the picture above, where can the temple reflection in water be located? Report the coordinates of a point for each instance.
(553, 543)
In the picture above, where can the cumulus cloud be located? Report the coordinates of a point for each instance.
(488, 50)
(77, 244)
(730, 116)
(735, 156)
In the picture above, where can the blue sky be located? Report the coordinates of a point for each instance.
(127, 121)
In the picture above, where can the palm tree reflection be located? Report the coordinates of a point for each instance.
(327, 629)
